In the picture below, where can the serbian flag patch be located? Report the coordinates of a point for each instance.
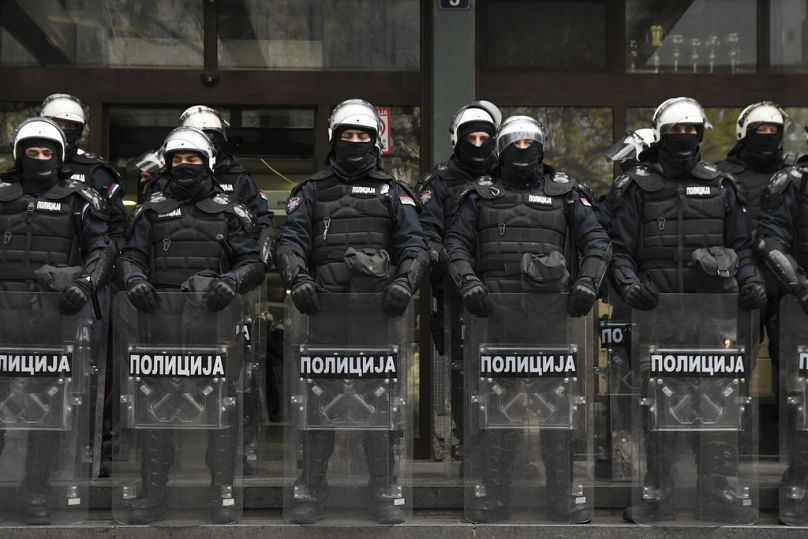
(112, 189)
(407, 200)
(585, 202)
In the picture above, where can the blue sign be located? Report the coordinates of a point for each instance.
(455, 4)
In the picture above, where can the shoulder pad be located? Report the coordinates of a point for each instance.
(381, 175)
(159, 203)
(705, 171)
(139, 209)
(732, 167)
(442, 171)
(407, 189)
(790, 159)
(218, 203)
(424, 182)
(91, 195)
(780, 180)
(646, 178)
(558, 183)
(588, 193)
(247, 218)
(93, 160)
(740, 190)
(9, 190)
(235, 168)
(322, 174)
(487, 187)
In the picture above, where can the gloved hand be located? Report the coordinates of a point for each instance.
(475, 298)
(752, 295)
(304, 296)
(396, 298)
(220, 293)
(75, 296)
(582, 296)
(142, 295)
(639, 296)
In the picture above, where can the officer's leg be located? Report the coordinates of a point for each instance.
(156, 458)
(557, 451)
(41, 451)
(794, 486)
(310, 489)
(221, 460)
(657, 488)
(724, 496)
(381, 450)
(497, 453)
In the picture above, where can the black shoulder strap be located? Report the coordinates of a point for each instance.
(557, 183)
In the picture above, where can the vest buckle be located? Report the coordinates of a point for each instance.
(501, 229)
(661, 223)
(166, 244)
(7, 238)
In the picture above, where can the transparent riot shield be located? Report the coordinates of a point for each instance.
(695, 423)
(46, 377)
(256, 413)
(793, 491)
(178, 389)
(348, 451)
(529, 387)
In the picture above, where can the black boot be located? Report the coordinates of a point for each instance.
(794, 486)
(724, 495)
(385, 492)
(221, 460)
(566, 500)
(156, 458)
(40, 453)
(311, 487)
(657, 490)
(492, 501)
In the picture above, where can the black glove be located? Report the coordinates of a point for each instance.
(304, 296)
(639, 296)
(220, 293)
(75, 296)
(475, 298)
(396, 298)
(582, 296)
(142, 295)
(752, 295)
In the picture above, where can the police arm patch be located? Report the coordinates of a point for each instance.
(293, 202)
(426, 195)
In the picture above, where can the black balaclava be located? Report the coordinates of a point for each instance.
(353, 159)
(72, 136)
(679, 153)
(39, 175)
(760, 152)
(475, 160)
(520, 165)
(188, 180)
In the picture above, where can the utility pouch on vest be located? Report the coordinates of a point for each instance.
(369, 269)
(719, 265)
(544, 273)
(56, 278)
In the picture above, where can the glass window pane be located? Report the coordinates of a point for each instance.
(404, 159)
(716, 143)
(553, 36)
(12, 52)
(11, 115)
(577, 138)
(794, 140)
(378, 35)
(116, 33)
(789, 35)
(698, 36)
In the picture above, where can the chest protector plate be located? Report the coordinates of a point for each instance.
(37, 230)
(515, 223)
(185, 242)
(346, 215)
(677, 219)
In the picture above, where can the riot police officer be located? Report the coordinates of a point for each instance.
(352, 203)
(190, 217)
(668, 209)
(68, 112)
(626, 150)
(782, 243)
(472, 136)
(527, 223)
(55, 240)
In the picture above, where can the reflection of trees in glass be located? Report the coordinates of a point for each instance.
(577, 139)
(405, 128)
(716, 143)
(794, 140)
(11, 115)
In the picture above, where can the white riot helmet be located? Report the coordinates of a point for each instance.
(632, 145)
(204, 118)
(476, 111)
(63, 107)
(355, 113)
(519, 128)
(764, 112)
(150, 162)
(189, 139)
(678, 110)
(43, 128)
